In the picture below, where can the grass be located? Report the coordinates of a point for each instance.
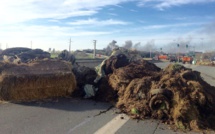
(54, 55)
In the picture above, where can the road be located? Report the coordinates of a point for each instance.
(79, 116)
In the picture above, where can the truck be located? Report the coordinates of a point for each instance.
(162, 57)
(187, 59)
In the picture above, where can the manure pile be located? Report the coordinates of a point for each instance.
(36, 80)
(176, 95)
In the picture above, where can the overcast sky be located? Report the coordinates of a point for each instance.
(50, 23)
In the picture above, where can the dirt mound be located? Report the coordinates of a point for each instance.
(36, 80)
(176, 95)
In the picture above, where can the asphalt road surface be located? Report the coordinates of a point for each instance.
(80, 116)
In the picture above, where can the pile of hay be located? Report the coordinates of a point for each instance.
(36, 80)
(176, 95)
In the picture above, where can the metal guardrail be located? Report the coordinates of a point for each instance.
(89, 62)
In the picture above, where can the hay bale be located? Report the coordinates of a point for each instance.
(36, 80)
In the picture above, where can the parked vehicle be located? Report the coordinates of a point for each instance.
(187, 59)
(162, 57)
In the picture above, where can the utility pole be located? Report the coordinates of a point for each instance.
(6, 45)
(31, 44)
(150, 52)
(202, 43)
(0, 45)
(178, 51)
(94, 54)
(70, 42)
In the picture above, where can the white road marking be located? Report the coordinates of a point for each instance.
(79, 125)
(114, 125)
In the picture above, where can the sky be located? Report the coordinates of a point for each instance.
(163, 23)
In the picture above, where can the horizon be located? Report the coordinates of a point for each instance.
(159, 23)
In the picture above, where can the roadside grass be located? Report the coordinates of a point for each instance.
(54, 55)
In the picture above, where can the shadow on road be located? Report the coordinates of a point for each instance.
(68, 104)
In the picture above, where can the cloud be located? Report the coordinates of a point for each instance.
(162, 4)
(177, 25)
(113, 14)
(48, 36)
(47, 32)
(98, 22)
(209, 29)
(12, 11)
(132, 10)
(170, 3)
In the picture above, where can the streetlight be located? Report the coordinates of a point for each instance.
(94, 53)
(70, 41)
